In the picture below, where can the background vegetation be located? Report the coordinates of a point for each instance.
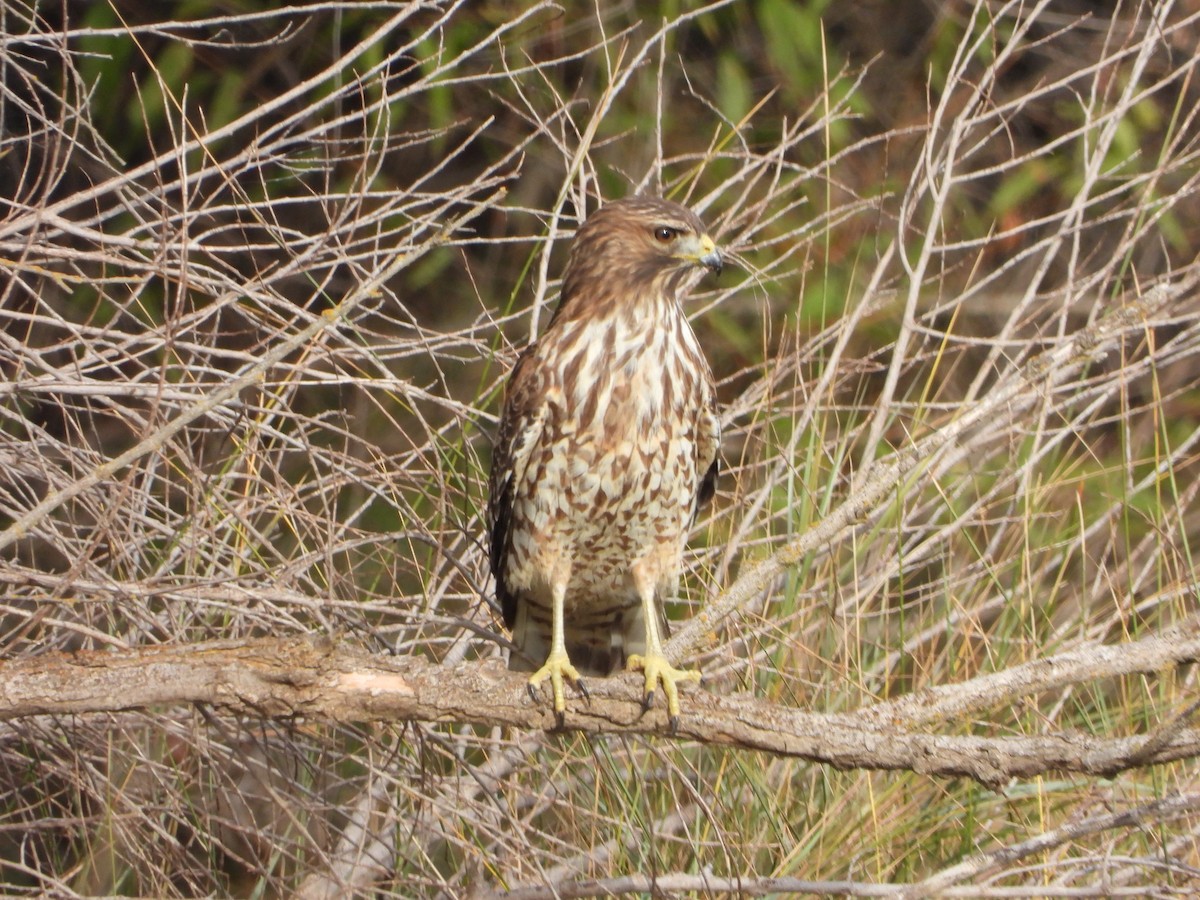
(265, 269)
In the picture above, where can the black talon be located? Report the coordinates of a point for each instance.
(560, 719)
(532, 692)
(583, 690)
(648, 701)
(673, 725)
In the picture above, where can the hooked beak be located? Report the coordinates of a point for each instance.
(703, 252)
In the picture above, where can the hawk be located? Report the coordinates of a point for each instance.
(607, 447)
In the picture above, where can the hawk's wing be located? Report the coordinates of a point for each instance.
(708, 443)
(520, 426)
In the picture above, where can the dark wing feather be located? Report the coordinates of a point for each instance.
(512, 438)
(708, 485)
(708, 456)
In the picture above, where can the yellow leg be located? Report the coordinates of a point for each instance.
(558, 664)
(657, 667)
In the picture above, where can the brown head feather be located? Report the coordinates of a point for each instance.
(622, 254)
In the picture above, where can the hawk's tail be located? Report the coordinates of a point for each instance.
(595, 647)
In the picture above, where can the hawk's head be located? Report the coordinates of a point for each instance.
(633, 250)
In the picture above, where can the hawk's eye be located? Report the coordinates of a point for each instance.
(664, 235)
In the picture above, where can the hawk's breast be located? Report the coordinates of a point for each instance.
(612, 476)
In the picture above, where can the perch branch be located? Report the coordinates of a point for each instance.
(287, 678)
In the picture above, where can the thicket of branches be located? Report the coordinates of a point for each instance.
(263, 274)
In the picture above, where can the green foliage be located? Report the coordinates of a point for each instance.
(794, 40)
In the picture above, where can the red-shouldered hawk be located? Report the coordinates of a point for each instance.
(607, 447)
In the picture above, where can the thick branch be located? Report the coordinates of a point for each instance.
(1171, 647)
(303, 678)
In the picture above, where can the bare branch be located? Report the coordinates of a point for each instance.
(303, 679)
(1016, 393)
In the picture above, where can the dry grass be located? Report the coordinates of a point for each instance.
(252, 359)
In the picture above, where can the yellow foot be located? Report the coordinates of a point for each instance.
(557, 667)
(657, 669)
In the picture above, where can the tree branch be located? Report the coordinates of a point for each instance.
(947, 883)
(1019, 390)
(285, 678)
